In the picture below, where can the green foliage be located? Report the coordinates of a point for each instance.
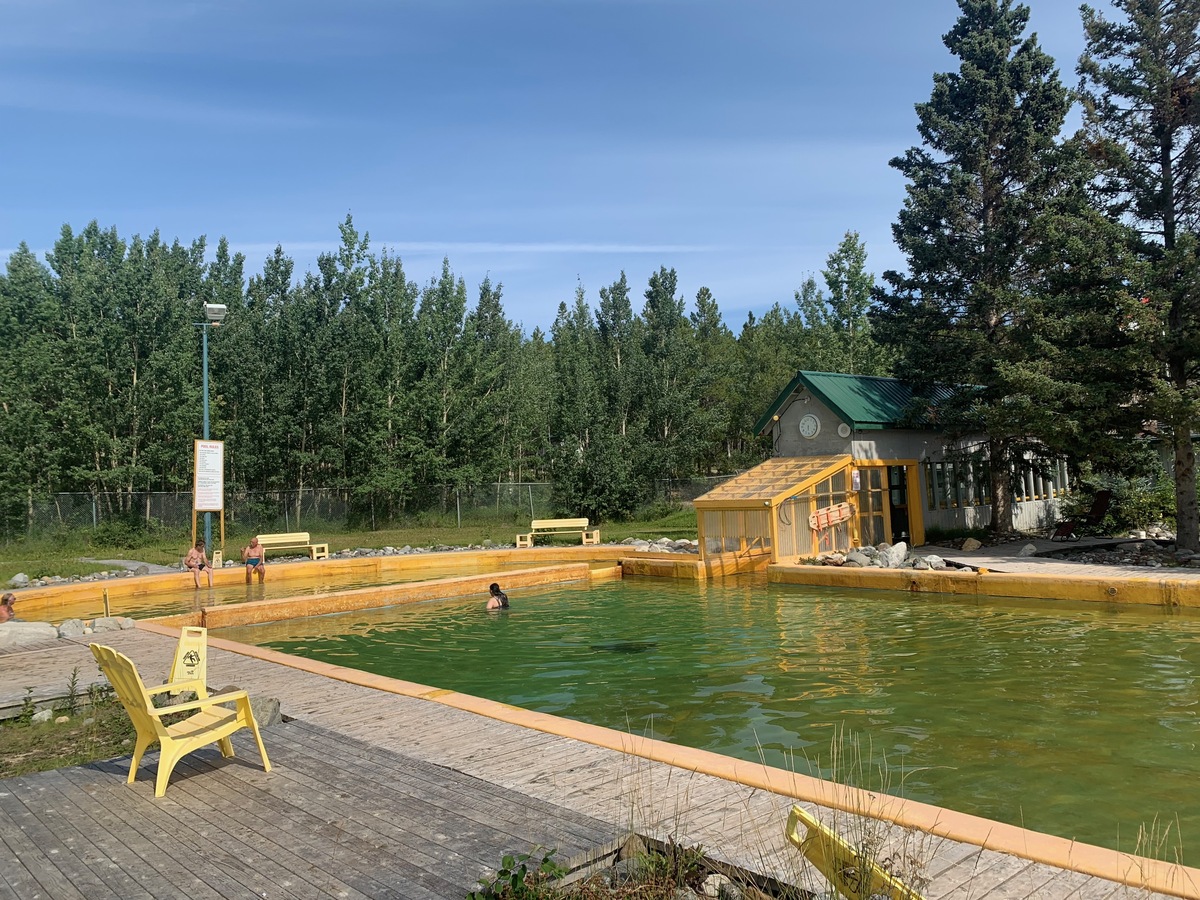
(123, 532)
(104, 733)
(1017, 300)
(521, 877)
(839, 331)
(1140, 72)
(938, 535)
(1137, 501)
(675, 866)
(27, 708)
(69, 705)
(355, 378)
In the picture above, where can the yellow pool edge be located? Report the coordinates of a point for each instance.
(1158, 590)
(54, 598)
(1087, 859)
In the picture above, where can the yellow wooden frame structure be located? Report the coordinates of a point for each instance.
(753, 498)
(751, 502)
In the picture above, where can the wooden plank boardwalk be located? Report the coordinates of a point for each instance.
(375, 794)
(334, 817)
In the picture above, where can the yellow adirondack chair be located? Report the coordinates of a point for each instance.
(844, 867)
(210, 723)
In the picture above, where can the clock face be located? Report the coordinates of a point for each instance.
(810, 425)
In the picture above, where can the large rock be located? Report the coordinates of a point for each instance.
(856, 559)
(935, 561)
(71, 628)
(971, 544)
(265, 709)
(112, 623)
(15, 635)
(894, 555)
(19, 580)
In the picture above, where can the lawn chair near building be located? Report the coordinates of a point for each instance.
(1073, 529)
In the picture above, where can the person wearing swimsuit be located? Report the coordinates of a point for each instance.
(255, 556)
(497, 599)
(196, 562)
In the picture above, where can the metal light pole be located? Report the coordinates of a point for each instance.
(214, 314)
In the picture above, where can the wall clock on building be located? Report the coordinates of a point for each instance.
(810, 426)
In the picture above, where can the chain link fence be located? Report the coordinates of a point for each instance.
(685, 490)
(311, 508)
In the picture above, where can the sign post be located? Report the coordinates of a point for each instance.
(208, 485)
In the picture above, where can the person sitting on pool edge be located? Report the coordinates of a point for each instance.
(196, 562)
(498, 599)
(255, 557)
(6, 607)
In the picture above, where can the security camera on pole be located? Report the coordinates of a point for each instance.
(209, 471)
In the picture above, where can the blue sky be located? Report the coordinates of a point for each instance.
(543, 142)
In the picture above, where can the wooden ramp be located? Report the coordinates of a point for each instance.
(376, 794)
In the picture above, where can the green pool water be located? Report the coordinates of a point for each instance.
(1074, 719)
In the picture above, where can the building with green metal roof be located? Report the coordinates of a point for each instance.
(869, 454)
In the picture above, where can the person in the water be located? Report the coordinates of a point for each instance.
(497, 599)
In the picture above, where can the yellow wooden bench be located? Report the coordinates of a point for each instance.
(209, 722)
(295, 540)
(559, 526)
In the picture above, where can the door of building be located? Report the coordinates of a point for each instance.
(898, 503)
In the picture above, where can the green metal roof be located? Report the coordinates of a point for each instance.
(864, 402)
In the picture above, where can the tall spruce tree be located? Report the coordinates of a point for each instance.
(1141, 86)
(976, 310)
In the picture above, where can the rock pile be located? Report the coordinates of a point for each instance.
(15, 634)
(883, 556)
(1149, 553)
(21, 580)
(662, 545)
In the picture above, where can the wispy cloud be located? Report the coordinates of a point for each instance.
(77, 98)
(486, 247)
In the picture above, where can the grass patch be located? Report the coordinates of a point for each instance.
(97, 731)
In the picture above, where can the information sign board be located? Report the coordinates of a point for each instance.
(209, 482)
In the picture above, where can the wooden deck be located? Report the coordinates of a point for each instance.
(379, 795)
(335, 817)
